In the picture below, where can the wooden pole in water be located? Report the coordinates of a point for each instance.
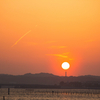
(52, 92)
(3, 97)
(8, 91)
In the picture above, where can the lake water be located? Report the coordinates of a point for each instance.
(50, 94)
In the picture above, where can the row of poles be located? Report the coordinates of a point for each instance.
(54, 92)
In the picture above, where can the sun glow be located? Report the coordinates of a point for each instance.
(65, 65)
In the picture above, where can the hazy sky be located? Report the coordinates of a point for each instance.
(39, 35)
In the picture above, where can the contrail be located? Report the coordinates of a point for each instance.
(21, 38)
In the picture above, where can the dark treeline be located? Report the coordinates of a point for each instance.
(64, 85)
(86, 85)
(35, 86)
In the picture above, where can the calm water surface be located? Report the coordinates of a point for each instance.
(50, 94)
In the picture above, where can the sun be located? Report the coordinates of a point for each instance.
(65, 65)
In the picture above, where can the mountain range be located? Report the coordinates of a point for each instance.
(44, 79)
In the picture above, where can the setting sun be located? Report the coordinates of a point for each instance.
(43, 35)
(65, 65)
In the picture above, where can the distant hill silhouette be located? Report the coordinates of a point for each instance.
(44, 79)
(40, 75)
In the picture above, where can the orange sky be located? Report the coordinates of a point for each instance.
(38, 35)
